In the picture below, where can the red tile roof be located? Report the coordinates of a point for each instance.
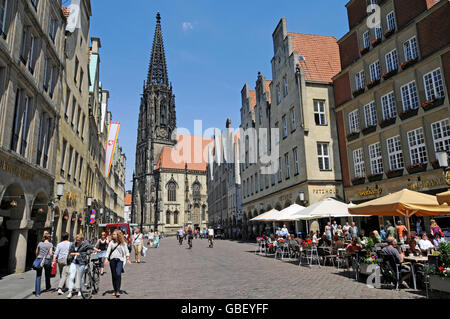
(321, 54)
(252, 99)
(128, 199)
(268, 89)
(188, 149)
(431, 3)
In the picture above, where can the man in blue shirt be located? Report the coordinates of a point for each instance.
(284, 231)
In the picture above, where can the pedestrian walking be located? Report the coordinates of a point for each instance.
(354, 230)
(156, 241)
(43, 261)
(78, 250)
(328, 230)
(137, 243)
(60, 256)
(151, 238)
(101, 247)
(190, 237)
(435, 229)
(180, 236)
(117, 255)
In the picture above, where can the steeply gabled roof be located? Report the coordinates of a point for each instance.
(268, 90)
(188, 149)
(321, 59)
(252, 99)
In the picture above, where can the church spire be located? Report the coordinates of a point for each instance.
(157, 71)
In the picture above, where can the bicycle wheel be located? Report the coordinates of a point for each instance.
(96, 279)
(86, 284)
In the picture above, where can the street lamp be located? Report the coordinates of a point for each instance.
(59, 194)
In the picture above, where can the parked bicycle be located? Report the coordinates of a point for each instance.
(90, 279)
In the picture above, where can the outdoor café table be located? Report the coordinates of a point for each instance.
(413, 261)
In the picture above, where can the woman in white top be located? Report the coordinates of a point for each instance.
(117, 254)
(137, 242)
(151, 237)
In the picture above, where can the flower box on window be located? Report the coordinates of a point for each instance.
(431, 104)
(352, 136)
(364, 50)
(369, 129)
(388, 122)
(358, 180)
(389, 74)
(435, 164)
(375, 177)
(358, 92)
(408, 113)
(13, 204)
(375, 42)
(394, 173)
(371, 84)
(388, 33)
(408, 63)
(417, 168)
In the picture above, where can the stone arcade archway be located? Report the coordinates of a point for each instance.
(40, 215)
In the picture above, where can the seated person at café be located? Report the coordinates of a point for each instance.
(375, 236)
(437, 240)
(294, 244)
(338, 242)
(339, 231)
(362, 239)
(323, 241)
(413, 247)
(313, 237)
(278, 232)
(425, 244)
(353, 247)
(390, 250)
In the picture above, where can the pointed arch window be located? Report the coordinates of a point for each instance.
(168, 217)
(172, 192)
(196, 190)
(175, 218)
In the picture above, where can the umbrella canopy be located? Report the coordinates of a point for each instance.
(403, 203)
(288, 214)
(443, 198)
(328, 208)
(263, 217)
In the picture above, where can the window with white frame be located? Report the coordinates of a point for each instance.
(376, 161)
(285, 129)
(370, 114)
(394, 148)
(410, 99)
(390, 19)
(391, 61)
(288, 167)
(434, 87)
(295, 156)
(388, 106)
(286, 87)
(375, 72)
(378, 32)
(353, 121)
(320, 114)
(410, 49)
(417, 148)
(441, 135)
(323, 155)
(358, 163)
(366, 39)
(359, 80)
(293, 120)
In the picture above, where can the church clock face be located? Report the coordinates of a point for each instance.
(162, 132)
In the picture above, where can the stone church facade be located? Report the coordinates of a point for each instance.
(169, 184)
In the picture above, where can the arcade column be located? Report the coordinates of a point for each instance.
(18, 245)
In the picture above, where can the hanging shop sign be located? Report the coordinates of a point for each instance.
(113, 133)
(371, 192)
(92, 218)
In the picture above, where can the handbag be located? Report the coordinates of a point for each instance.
(54, 269)
(38, 263)
(144, 251)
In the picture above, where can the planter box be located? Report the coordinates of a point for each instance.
(408, 63)
(388, 122)
(352, 136)
(375, 42)
(440, 283)
(435, 164)
(364, 269)
(371, 84)
(407, 114)
(388, 33)
(358, 181)
(428, 105)
(397, 173)
(375, 178)
(364, 51)
(369, 129)
(417, 169)
(390, 74)
(358, 92)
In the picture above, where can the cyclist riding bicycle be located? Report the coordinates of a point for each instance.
(190, 237)
(180, 236)
(211, 236)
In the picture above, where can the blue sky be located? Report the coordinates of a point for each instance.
(212, 49)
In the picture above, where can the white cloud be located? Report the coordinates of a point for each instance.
(187, 26)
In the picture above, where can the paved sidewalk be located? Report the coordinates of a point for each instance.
(21, 286)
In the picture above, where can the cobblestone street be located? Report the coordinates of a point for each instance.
(232, 270)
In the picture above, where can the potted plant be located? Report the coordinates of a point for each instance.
(435, 102)
(371, 84)
(375, 42)
(358, 92)
(416, 168)
(366, 267)
(364, 50)
(394, 173)
(408, 63)
(440, 274)
(408, 113)
(358, 180)
(389, 74)
(369, 129)
(352, 136)
(375, 177)
(41, 210)
(13, 204)
(388, 122)
(388, 33)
